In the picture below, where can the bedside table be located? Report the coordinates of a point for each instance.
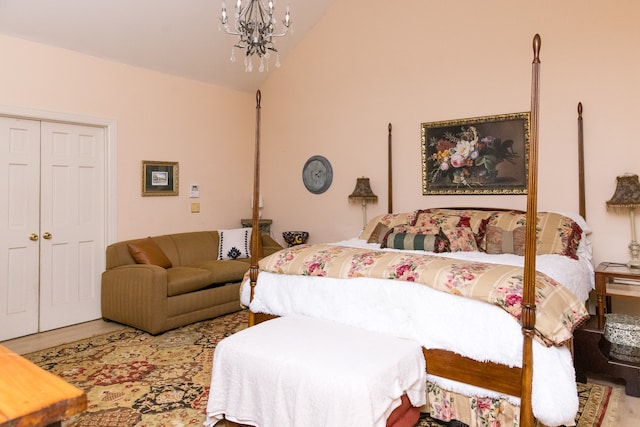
(614, 280)
(591, 349)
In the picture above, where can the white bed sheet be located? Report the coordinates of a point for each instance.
(436, 319)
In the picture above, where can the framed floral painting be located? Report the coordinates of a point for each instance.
(481, 155)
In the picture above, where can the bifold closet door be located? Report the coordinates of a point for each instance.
(72, 218)
(52, 225)
(19, 226)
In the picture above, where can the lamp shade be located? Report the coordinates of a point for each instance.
(363, 191)
(627, 194)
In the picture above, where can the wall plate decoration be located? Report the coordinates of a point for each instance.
(317, 174)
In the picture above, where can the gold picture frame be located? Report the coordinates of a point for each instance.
(480, 155)
(159, 178)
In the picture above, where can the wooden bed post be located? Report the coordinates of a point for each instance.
(390, 173)
(581, 200)
(528, 297)
(256, 238)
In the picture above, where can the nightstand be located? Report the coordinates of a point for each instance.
(264, 224)
(614, 280)
(591, 349)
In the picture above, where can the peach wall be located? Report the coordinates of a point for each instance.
(371, 62)
(207, 129)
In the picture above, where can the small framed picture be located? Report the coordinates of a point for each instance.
(159, 178)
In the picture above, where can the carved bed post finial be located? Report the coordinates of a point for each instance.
(537, 42)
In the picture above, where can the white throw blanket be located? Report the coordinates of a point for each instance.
(434, 319)
(298, 371)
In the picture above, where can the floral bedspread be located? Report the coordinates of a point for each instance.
(558, 311)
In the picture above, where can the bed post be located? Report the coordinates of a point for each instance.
(256, 237)
(390, 173)
(528, 295)
(581, 185)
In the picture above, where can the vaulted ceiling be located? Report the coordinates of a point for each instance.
(179, 37)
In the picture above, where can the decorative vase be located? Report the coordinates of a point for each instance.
(294, 238)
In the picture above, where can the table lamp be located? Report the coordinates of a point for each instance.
(363, 192)
(627, 196)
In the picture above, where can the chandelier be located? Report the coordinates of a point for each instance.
(256, 27)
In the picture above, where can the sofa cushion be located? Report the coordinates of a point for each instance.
(146, 251)
(226, 271)
(234, 243)
(181, 280)
(195, 247)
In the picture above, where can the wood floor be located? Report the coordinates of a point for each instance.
(628, 412)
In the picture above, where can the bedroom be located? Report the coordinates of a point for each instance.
(427, 61)
(412, 66)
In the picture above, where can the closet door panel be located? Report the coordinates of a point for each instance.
(19, 226)
(72, 223)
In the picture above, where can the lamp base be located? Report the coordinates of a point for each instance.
(634, 248)
(634, 264)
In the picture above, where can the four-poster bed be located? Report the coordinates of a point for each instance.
(511, 375)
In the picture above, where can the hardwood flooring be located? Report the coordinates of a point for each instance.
(628, 412)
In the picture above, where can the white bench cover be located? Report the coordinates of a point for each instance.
(301, 371)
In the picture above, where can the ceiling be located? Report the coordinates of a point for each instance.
(179, 37)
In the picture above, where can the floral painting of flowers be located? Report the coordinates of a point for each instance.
(482, 155)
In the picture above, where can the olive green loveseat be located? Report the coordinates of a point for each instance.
(187, 285)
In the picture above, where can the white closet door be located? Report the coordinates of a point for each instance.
(19, 226)
(72, 223)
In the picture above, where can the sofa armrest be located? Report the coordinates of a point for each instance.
(135, 295)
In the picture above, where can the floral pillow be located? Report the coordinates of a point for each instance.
(555, 233)
(389, 220)
(476, 216)
(428, 219)
(420, 242)
(461, 238)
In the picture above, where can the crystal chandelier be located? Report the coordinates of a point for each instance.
(256, 27)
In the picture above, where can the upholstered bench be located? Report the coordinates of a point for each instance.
(300, 371)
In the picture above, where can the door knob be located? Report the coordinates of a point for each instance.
(33, 236)
(46, 235)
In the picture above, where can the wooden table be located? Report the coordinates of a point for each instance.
(614, 279)
(31, 396)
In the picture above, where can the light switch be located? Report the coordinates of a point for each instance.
(195, 207)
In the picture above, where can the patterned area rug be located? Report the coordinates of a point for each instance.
(135, 379)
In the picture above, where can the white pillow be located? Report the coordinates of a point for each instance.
(235, 243)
